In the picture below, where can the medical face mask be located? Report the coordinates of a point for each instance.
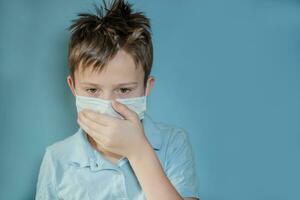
(136, 104)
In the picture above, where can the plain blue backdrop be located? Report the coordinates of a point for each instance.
(226, 71)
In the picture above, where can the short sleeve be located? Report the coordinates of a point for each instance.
(180, 164)
(45, 189)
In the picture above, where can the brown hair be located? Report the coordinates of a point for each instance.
(96, 38)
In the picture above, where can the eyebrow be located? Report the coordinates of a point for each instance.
(119, 84)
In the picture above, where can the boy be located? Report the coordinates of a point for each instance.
(118, 152)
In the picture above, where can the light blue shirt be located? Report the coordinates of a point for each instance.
(72, 169)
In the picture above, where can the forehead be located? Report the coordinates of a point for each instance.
(121, 68)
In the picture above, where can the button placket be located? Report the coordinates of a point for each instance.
(121, 184)
(94, 165)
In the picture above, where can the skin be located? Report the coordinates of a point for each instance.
(115, 138)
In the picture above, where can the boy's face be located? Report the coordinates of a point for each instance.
(118, 79)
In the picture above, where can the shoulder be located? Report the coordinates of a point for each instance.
(61, 151)
(172, 135)
(178, 153)
(172, 132)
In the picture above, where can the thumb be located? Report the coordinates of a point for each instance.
(124, 111)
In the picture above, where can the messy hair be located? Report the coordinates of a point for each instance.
(97, 37)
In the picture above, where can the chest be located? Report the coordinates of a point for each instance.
(102, 184)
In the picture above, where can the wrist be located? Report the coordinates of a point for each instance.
(142, 149)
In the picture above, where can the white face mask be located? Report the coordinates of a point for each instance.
(136, 104)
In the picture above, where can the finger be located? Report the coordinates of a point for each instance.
(85, 127)
(90, 132)
(102, 118)
(91, 125)
(125, 111)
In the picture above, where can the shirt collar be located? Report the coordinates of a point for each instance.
(85, 155)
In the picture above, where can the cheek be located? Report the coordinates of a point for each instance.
(140, 91)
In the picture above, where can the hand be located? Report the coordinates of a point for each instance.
(120, 136)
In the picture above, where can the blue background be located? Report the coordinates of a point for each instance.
(226, 71)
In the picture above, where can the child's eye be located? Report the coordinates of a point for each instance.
(91, 90)
(125, 90)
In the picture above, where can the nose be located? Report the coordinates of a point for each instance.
(107, 95)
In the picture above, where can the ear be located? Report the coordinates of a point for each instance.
(150, 84)
(71, 84)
